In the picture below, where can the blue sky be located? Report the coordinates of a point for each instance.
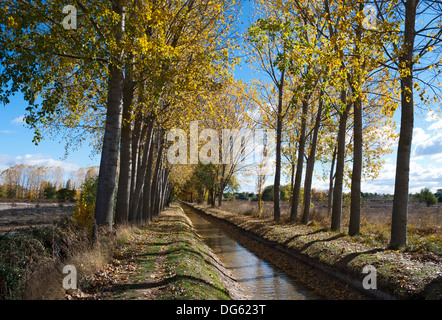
(16, 147)
(426, 161)
(426, 157)
(16, 144)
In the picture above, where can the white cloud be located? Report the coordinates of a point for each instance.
(8, 131)
(421, 176)
(39, 159)
(420, 136)
(437, 157)
(426, 144)
(436, 125)
(431, 116)
(19, 120)
(384, 183)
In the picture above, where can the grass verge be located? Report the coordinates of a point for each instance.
(163, 260)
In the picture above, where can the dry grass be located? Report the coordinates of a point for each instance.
(32, 260)
(424, 223)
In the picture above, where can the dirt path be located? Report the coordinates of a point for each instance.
(165, 260)
(137, 271)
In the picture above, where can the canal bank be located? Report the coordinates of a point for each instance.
(336, 258)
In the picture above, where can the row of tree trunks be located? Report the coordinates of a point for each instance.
(142, 191)
(141, 170)
(311, 163)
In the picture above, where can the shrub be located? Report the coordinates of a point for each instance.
(284, 193)
(427, 196)
(64, 194)
(83, 214)
(50, 192)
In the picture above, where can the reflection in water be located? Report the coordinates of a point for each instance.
(259, 278)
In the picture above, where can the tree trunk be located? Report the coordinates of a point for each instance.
(331, 184)
(164, 192)
(222, 185)
(340, 165)
(147, 212)
(260, 204)
(400, 201)
(300, 162)
(355, 206)
(125, 175)
(160, 190)
(311, 165)
(138, 130)
(159, 186)
(109, 155)
(141, 172)
(155, 182)
(277, 183)
(292, 180)
(111, 141)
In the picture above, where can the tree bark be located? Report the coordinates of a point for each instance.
(138, 130)
(141, 172)
(355, 206)
(311, 165)
(331, 184)
(401, 187)
(111, 141)
(147, 212)
(154, 190)
(277, 182)
(300, 162)
(125, 175)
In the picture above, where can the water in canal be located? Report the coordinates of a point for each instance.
(261, 280)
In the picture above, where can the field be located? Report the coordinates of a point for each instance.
(424, 223)
(19, 215)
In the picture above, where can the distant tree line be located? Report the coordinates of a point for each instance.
(33, 182)
(268, 194)
(425, 195)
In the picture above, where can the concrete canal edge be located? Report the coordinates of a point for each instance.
(334, 272)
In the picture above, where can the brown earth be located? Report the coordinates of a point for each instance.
(19, 215)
